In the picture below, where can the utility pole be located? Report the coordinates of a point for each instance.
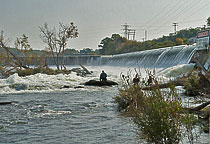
(175, 27)
(126, 30)
(134, 34)
(145, 34)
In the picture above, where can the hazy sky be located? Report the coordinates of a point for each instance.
(97, 19)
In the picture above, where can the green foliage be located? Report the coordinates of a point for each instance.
(65, 71)
(189, 121)
(109, 45)
(25, 72)
(158, 114)
(48, 71)
(191, 85)
(208, 22)
(70, 51)
(117, 44)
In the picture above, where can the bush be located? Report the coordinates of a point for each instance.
(49, 71)
(191, 86)
(25, 72)
(158, 114)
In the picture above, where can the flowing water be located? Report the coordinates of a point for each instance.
(44, 112)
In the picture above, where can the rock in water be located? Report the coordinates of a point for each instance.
(99, 83)
(5, 103)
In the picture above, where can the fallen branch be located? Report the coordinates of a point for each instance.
(85, 69)
(200, 107)
(165, 85)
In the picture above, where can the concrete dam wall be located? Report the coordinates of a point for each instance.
(160, 58)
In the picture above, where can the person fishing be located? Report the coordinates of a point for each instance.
(103, 76)
(136, 79)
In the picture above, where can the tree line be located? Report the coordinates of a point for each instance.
(117, 44)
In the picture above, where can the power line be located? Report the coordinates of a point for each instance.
(204, 6)
(157, 14)
(191, 21)
(173, 18)
(187, 8)
(171, 11)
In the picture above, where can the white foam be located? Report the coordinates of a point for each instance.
(49, 83)
(178, 70)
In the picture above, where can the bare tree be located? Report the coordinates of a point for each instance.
(18, 44)
(20, 57)
(57, 41)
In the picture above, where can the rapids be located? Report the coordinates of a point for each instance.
(42, 112)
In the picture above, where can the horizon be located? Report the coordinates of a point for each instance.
(96, 19)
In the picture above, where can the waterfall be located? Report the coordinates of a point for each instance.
(159, 58)
(156, 58)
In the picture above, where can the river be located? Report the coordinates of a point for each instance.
(43, 112)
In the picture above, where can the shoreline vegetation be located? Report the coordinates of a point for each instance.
(159, 114)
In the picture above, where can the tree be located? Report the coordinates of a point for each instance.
(179, 41)
(208, 22)
(109, 45)
(23, 51)
(57, 40)
(16, 58)
(20, 44)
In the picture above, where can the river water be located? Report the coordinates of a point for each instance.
(41, 112)
(78, 116)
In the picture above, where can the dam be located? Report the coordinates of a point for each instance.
(158, 58)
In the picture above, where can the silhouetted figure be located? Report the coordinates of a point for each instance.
(136, 79)
(103, 76)
(149, 81)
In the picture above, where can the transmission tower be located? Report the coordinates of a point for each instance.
(126, 30)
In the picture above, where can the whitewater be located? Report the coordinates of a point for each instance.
(42, 111)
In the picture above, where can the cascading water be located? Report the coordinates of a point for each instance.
(158, 58)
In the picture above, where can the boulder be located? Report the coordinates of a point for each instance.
(78, 87)
(100, 83)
